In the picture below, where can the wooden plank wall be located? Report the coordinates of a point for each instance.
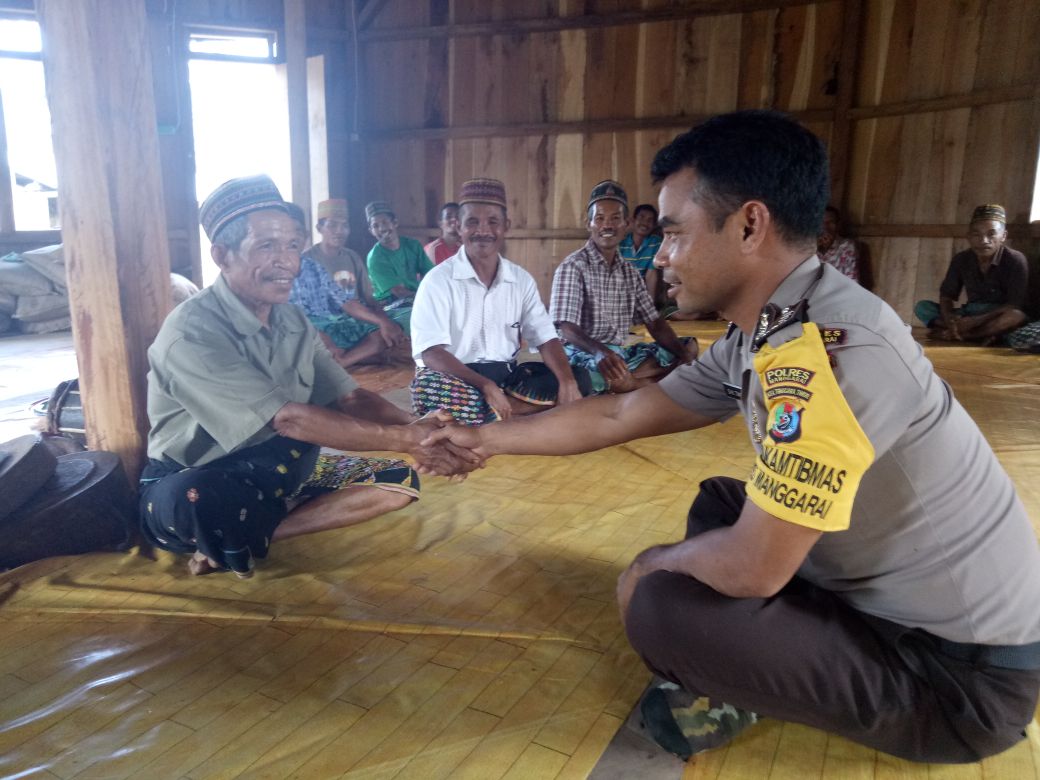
(551, 96)
(928, 169)
(938, 109)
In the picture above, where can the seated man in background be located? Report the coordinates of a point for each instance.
(440, 249)
(640, 245)
(597, 297)
(396, 263)
(995, 279)
(470, 316)
(242, 395)
(835, 250)
(353, 332)
(344, 265)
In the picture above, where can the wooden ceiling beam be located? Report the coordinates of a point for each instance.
(1015, 230)
(691, 10)
(562, 128)
(984, 97)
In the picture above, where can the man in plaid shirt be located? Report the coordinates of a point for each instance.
(597, 297)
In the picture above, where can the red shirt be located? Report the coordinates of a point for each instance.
(438, 251)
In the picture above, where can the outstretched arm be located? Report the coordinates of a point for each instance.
(383, 427)
(589, 424)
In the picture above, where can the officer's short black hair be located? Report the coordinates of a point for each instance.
(754, 155)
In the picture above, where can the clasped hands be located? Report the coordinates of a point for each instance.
(444, 448)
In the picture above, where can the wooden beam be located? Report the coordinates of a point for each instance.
(561, 128)
(368, 13)
(1015, 230)
(986, 97)
(690, 10)
(113, 221)
(296, 88)
(841, 130)
(563, 234)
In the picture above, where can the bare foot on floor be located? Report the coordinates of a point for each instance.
(199, 565)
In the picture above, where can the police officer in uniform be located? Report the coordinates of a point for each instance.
(876, 576)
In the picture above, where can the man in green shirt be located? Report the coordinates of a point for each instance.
(396, 263)
(242, 395)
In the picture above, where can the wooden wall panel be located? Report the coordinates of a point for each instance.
(1000, 157)
(395, 87)
(1008, 49)
(707, 65)
(807, 39)
(527, 106)
(758, 32)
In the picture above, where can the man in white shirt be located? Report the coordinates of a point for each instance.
(471, 313)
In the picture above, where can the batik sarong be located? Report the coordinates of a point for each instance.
(228, 509)
(530, 382)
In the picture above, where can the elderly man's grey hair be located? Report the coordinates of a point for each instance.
(233, 233)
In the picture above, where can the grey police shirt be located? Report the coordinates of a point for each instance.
(937, 538)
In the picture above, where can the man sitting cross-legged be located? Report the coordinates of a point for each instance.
(242, 394)
(353, 331)
(470, 315)
(993, 276)
(597, 296)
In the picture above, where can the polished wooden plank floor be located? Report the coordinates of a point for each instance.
(471, 635)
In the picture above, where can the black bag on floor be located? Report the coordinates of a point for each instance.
(25, 466)
(86, 505)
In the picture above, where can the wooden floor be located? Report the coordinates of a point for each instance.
(473, 635)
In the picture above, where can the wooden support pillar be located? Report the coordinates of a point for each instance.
(296, 88)
(354, 148)
(99, 86)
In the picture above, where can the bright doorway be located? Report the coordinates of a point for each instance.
(240, 118)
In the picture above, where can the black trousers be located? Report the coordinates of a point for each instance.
(805, 656)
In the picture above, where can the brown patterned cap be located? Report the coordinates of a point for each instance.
(483, 191)
(237, 197)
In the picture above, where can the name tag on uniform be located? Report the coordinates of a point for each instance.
(733, 391)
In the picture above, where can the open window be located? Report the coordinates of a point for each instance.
(28, 177)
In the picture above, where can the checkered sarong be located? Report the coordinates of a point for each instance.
(634, 356)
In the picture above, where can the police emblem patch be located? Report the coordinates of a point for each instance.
(786, 425)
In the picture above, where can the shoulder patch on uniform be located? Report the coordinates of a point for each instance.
(833, 336)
